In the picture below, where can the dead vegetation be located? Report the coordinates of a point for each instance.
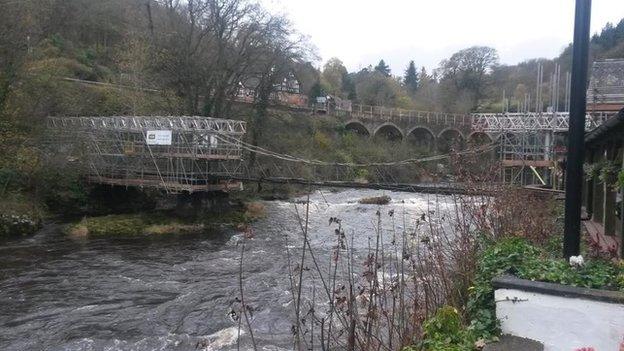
(379, 298)
(376, 200)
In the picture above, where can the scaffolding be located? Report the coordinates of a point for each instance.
(527, 158)
(531, 146)
(531, 121)
(174, 154)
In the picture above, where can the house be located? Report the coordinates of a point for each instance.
(286, 93)
(606, 86)
(602, 195)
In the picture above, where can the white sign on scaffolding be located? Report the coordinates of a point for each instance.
(158, 137)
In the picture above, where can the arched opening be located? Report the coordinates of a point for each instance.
(357, 128)
(389, 132)
(422, 138)
(450, 140)
(477, 139)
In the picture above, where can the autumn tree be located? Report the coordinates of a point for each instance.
(334, 75)
(464, 76)
(281, 49)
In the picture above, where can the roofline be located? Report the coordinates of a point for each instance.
(604, 128)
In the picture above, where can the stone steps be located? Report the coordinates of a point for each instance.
(514, 343)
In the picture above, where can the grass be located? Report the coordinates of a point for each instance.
(161, 223)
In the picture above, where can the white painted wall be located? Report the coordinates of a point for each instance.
(560, 323)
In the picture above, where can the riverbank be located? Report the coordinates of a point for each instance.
(172, 292)
(165, 222)
(517, 235)
(19, 216)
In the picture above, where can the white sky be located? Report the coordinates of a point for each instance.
(360, 32)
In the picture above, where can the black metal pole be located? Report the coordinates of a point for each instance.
(576, 134)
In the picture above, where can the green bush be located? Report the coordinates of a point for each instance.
(515, 256)
(17, 225)
(62, 192)
(444, 332)
(18, 215)
(518, 257)
(508, 256)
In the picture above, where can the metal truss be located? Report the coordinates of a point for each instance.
(206, 154)
(114, 150)
(381, 113)
(483, 122)
(519, 122)
(137, 123)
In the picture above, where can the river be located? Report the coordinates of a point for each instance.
(176, 292)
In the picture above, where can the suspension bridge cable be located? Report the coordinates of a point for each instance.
(285, 157)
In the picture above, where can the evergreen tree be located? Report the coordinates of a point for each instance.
(423, 76)
(348, 86)
(383, 68)
(411, 77)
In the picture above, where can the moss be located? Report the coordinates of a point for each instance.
(160, 223)
(174, 228)
(114, 225)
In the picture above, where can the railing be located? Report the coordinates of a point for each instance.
(143, 123)
(411, 116)
(485, 122)
(530, 121)
(115, 150)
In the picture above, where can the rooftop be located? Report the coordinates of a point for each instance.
(606, 85)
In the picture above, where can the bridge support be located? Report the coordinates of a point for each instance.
(199, 203)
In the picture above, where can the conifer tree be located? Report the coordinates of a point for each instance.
(383, 68)
(411, 77)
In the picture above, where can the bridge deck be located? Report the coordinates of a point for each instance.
(173, 186)
(202, 154)
(175, 154)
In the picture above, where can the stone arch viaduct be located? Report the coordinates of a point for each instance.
(431, 130)
(438, 130)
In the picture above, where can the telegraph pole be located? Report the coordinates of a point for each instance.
(576, 134)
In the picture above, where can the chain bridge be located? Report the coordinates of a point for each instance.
(186, 154)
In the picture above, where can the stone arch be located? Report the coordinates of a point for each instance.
(450, 139)
(479, 139)
(357, 127)
(422, 137)
(389, 131)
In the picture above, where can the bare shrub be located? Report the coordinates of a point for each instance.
(379, 297)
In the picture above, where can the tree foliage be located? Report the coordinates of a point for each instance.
(383, 68)
(410, 78)
(334, 75)
(465, 74)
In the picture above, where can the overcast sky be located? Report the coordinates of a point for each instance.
(360, 32)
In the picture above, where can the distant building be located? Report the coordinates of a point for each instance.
(286, 93)
(606, 86)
